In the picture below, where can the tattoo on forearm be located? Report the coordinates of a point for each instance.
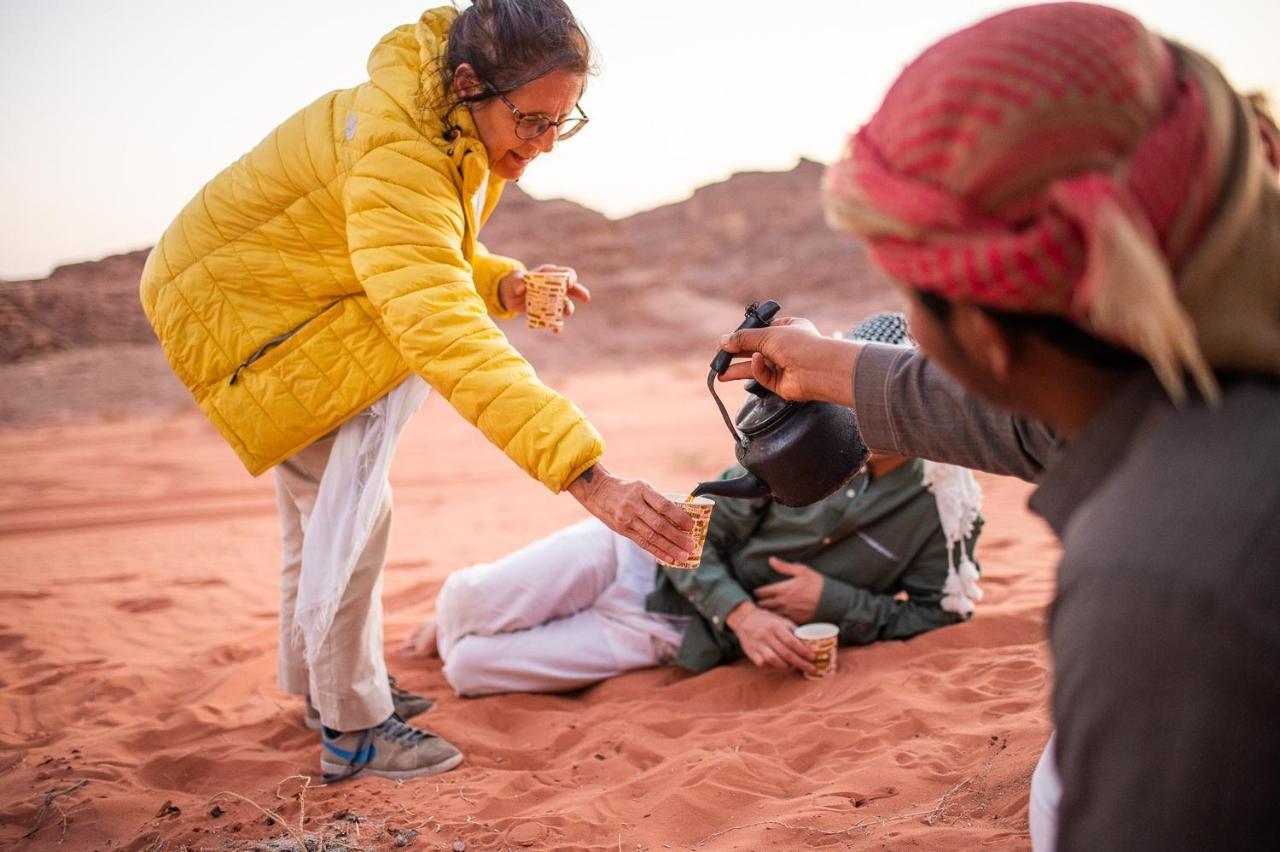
(588, 474)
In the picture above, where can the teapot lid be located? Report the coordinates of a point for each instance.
(761, 412)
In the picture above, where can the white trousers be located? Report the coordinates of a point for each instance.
(348, 680)
(1046, 793)
(560, 614)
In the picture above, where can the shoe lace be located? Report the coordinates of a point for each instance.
(396, 731)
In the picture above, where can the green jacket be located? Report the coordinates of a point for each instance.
(877, 542)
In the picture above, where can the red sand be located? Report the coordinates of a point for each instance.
(137, 644)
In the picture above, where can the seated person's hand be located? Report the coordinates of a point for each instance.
(768, 639)
(796, 597)
(422, 641)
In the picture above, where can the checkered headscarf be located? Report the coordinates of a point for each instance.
(884, 327)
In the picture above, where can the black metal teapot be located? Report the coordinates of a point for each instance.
(796, 452)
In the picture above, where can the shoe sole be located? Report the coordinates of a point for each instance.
(394, 774)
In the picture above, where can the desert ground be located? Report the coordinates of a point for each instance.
(138, 705)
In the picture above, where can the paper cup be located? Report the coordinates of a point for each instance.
(699, 509)
(544, 298)
(823, 639)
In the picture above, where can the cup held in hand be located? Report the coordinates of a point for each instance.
(545, 296)
(823, 639)
(699, 511)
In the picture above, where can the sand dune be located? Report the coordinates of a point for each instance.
(137, 636)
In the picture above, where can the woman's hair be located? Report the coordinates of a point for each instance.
(1053, 329)
(510, 43)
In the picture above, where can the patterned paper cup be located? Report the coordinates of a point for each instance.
(823, 639)
(544, 298)
(699, 509)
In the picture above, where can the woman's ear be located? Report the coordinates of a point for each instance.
(465, 82)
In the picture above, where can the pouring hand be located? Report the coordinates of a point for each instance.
(632, 508)
(794, 361)
(768, 639)
(796, 597)
(512, 289)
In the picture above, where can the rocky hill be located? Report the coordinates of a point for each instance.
(664, 283)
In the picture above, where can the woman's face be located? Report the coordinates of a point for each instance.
(554, 95)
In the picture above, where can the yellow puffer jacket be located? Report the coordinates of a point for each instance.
(339, 255)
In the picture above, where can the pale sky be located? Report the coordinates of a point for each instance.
(113, 114)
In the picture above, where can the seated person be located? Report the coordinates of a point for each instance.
(583, 604)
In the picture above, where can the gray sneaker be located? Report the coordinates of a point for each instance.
(404, 704)
(391, 750)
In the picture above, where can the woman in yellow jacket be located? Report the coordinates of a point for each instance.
(310, 293)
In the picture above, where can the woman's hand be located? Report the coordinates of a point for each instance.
(768, 639)
(512, 287)
(797, 596)
(794, 361)
(631, 507)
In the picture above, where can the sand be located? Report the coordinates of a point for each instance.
(137, 648)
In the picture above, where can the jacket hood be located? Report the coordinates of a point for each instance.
(406, 63)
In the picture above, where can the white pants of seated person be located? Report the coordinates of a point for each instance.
(562, 613)
(1046, 793)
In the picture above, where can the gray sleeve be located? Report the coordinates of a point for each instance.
(909, 406)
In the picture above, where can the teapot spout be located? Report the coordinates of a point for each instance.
(745, 487)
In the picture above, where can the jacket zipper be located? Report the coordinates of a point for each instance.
(276, 341)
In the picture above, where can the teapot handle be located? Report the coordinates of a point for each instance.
(724, 412)
(758, 316)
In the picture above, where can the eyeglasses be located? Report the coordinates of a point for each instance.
(531, 125)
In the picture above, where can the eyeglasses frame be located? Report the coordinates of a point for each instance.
(520, 116)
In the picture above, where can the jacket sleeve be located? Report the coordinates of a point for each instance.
(404, 230)
(907, 405)
(711, 587)
(864, 616)
(489, 270)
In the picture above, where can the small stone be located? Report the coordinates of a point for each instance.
(498, 759)
(459, 846)
(168, 809)
(216, 812)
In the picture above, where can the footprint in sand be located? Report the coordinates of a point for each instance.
(16, 595)
(859, 800)
(7, 639)
(144, 604)
(227, 654)
(200, 582)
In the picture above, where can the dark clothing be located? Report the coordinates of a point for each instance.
(1166, 626)
(870, 540)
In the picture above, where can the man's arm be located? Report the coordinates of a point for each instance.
(909, 406)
